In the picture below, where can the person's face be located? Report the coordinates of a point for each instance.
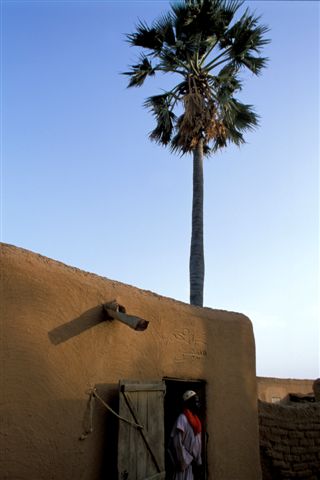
(194, 404)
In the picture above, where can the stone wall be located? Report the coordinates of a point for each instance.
(290, 441)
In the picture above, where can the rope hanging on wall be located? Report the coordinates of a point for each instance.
(88, 418)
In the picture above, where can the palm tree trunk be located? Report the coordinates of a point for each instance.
(197, 252)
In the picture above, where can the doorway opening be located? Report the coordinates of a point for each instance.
(175, 388)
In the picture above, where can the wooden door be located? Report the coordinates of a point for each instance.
(141, 450)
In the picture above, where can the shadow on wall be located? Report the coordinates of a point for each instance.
(85, 321)
(100, 423)
(100, 426)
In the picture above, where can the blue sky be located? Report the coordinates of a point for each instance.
(81, 182)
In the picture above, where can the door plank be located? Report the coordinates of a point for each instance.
(155, 424)
(142, 431)
(144, 387)
(140, 400)
(141, 451)
(157, 476)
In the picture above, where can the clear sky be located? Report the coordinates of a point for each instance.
(82, 184)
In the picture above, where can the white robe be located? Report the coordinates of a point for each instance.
(187, 447)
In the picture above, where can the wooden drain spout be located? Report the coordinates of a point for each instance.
(114, 311)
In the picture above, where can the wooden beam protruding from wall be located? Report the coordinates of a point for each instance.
(115, 311)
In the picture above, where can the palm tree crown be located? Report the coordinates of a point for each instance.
(199, 41)
(203, 43)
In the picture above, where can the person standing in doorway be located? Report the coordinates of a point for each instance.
(185, 440)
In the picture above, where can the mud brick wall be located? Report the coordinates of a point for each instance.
(55, 345)
(268, 387)
(290, 441)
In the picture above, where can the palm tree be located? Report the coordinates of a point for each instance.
(205, 47)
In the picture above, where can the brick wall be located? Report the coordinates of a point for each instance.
(290, 441)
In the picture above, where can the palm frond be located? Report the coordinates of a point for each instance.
(207, 18)
(227, 82)
(164, 27)
(161, 108)
(232, 136)
(172, 59)
(179, 145)
(237, 118)
(232, 6)
(156, 103)
(183, 15)
(215, 16)
(245, 117)
(246, 36)
(255, 64)
(146, 37)
(140, 72)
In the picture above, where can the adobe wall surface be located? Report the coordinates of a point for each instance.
(290, 441)
(269, 388)
(55, 345)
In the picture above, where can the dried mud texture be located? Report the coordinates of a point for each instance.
(281, 387)
(56, 344)
(290, 441)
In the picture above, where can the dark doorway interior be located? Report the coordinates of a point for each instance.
(175, 388)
